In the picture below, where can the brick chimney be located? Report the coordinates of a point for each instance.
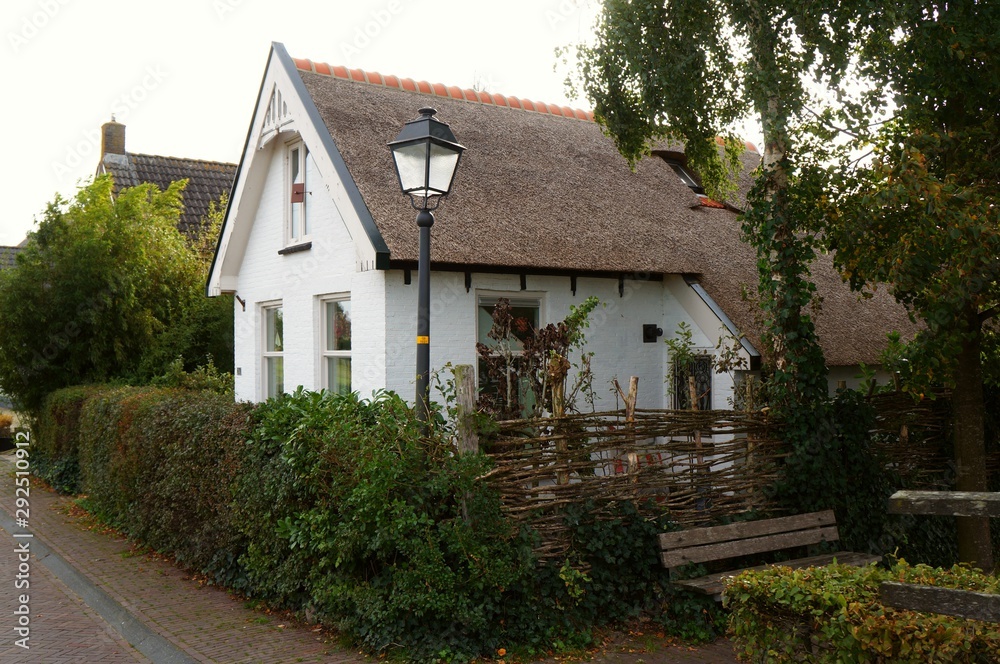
(112, 138)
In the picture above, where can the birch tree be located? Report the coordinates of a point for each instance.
(692, 71)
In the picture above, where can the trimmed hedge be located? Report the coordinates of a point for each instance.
(156, 464)
(56, 438)
(833, 614)
(341, 509)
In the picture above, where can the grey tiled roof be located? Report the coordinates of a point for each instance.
(207, 180)
(7, 255)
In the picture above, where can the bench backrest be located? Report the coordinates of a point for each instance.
(698, 545)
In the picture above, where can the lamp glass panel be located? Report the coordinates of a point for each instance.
(443, 164)
(411, 164)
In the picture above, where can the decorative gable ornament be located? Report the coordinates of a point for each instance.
(276, 118)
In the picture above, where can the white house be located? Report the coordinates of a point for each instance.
(320, 246)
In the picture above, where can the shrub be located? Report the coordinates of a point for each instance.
(380, 530)
(833, 614)
(157, 463)
(344, 510)
(56, 437)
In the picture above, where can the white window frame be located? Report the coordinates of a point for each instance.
(324, 352)
(296, 229)
(265, 354)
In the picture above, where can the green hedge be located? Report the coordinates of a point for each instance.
(157, 463)
(56, 438)
(339, 508)
(833, 614)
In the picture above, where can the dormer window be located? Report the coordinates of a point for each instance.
(686, 176)
(297, 226)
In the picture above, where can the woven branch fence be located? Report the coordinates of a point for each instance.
(697, 466)
(914, 436)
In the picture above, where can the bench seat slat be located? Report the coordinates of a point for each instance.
(745, 529)
(713, 584)
(947, 601)
(736, 548)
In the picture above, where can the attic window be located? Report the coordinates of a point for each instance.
(686, 176)
(297, 220)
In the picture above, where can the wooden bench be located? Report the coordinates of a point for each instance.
(714, 543)
(931, 599)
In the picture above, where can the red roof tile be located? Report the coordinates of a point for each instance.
(440, 90)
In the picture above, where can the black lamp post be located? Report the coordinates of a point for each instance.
(426, 156)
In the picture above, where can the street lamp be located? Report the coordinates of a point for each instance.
(426, 156)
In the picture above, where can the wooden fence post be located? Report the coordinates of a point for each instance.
(558, 368)
(465, 426)
(465, 397)
(630, 399)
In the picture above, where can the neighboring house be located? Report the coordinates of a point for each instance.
(7, 256)
(208, 181)
(544, 211)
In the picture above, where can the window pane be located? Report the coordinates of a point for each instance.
(702, 368)
(524, 320)
(411, 163)
(275, 369)
(338, 372)
(303, 217)
(443, 164)
(294, 163)
(338, 325)
(274, 330)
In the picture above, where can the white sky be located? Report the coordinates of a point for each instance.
(183, 75)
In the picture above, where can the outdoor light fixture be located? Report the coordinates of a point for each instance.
(426, 156)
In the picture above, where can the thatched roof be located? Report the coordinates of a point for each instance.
(545, 190)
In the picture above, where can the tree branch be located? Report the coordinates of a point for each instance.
(988, 314)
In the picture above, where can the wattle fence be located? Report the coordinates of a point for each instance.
(699, 466)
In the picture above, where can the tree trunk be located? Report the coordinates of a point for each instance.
(974, 545)
(773, 112)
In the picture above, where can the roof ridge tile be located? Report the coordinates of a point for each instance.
(441, 90)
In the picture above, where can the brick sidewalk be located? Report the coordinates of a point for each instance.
(63, 628)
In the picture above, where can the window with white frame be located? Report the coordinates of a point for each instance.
(336, 347)
(525, 320)
(272, 351)
(297, 227)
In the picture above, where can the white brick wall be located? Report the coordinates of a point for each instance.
(297, 280)
(614, 335)
(384, 309)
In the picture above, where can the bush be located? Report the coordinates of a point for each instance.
(833, 614)
(342, 509)
(55, 443)
(370, 527)
(157, 463)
